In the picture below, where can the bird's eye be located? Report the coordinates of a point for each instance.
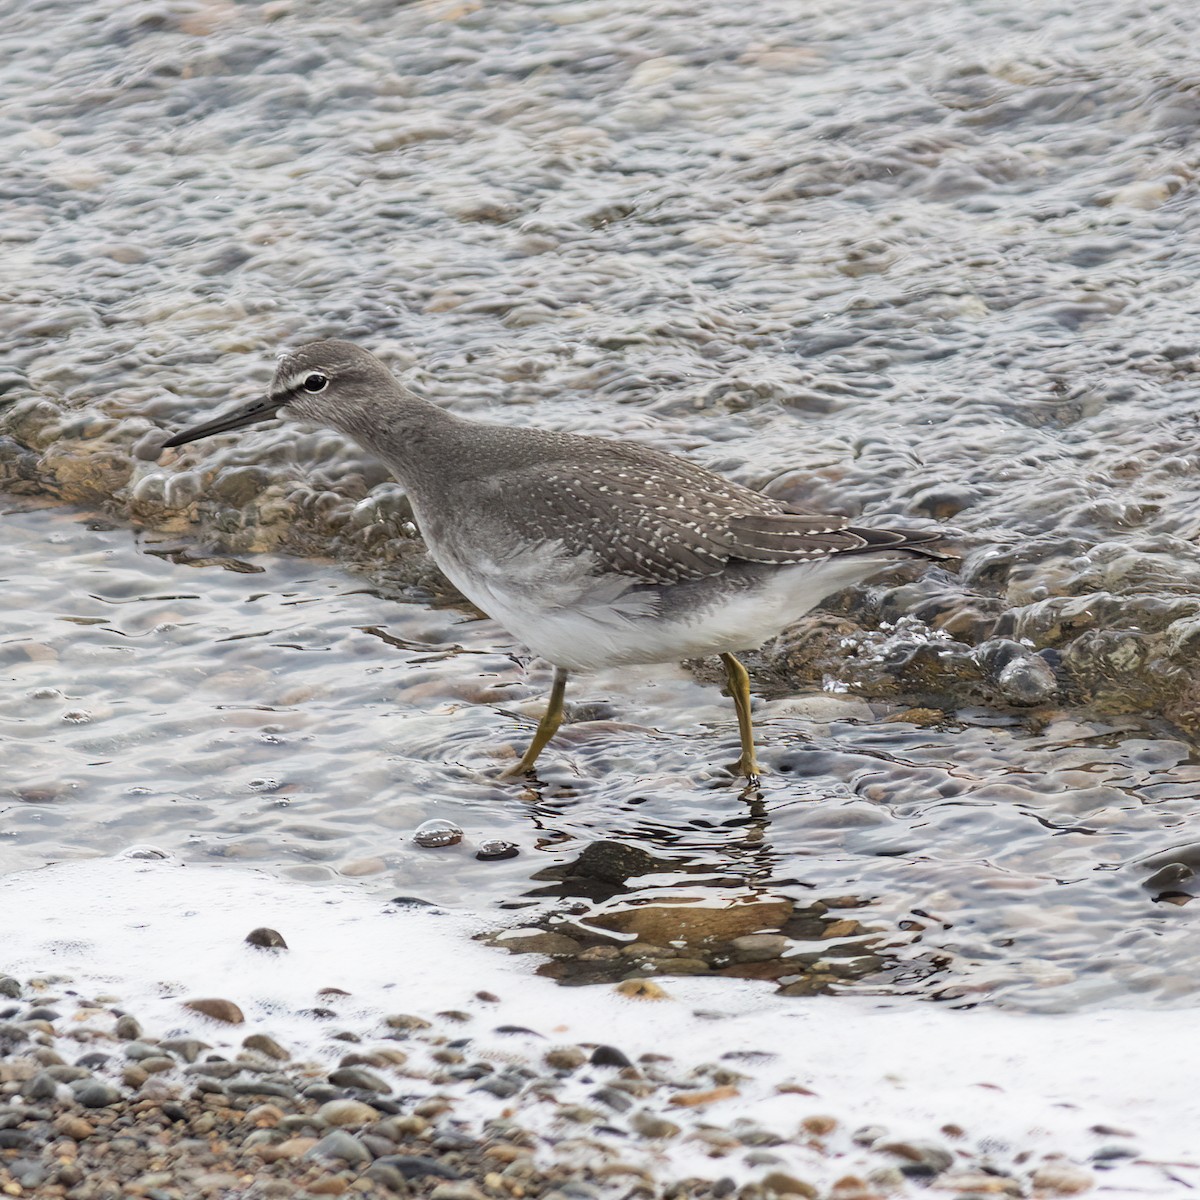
(315, 382)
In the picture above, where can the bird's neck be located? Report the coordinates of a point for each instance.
(409, 433)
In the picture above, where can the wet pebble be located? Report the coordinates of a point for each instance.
(347, 1112)
(490, 850)
(1062, 1178)
(360, 1078)
(340, 1144)
(266, 939)
(95, 1094)
(128, 1029)
(436, 833)
(219, 1010)
(261, 1043)
(565, 1058)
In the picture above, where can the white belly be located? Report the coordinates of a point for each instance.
(579, 621)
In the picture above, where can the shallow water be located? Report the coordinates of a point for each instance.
(280, 713)
(941, 267)
(944, 265)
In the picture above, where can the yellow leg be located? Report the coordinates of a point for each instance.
(739, 689)
(547, 727)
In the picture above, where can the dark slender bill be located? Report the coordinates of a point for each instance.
(251, 414)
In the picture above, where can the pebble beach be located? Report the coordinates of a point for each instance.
(935, 265)
(304, 1071)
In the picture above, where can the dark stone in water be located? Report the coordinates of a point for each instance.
(496, 850)
(614, 862)
(266, 939)
(1168, 877)
(609, 1056)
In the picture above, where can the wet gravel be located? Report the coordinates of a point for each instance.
(95, 1107)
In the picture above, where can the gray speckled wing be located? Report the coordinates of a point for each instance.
(662, 520)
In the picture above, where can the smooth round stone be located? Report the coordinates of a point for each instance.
(217, 1009)
(94, 1094)
(157, 1063)
(266, 939)
(347, 1112)
(266, 1045)
(359, 1077)
(129, 1029)
(565, 1058)
(138, 1050)
(759, 947)
(76, 1128)
(435, 833)
(493, 850)
(340, 1144)
(41, 1087)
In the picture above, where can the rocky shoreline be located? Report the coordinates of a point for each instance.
(93, 1106)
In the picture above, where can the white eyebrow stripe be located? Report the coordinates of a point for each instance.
(293, 382)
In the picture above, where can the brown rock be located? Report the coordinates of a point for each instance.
(697, 1099)
(262, 1044)
(217, 1009)
(331, 1185)
(133, 1076)
(295, 1147)
(264, 1116)
(976, 1183)
(819, 1125)
(788, 1185)
(642, 989)
(696, 920)
(565, 1058)
(406, 1022)
(73, 1127)
(1062, 1178)
(535, 941)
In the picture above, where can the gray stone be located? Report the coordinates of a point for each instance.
(93, 1093)
(138, 1050)
(340, 1144)
(614, 1098)
(41, 1087)
(759, 947)
(265, 1045)
(499, 1085)
(68, 1074)
(189, 1049)
(359, 1077)
(648, 1125)
(128, 1028)
(417, 1166)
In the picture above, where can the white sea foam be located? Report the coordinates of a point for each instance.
(154, 931)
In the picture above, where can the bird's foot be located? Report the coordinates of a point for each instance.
(752, 773)
(518, 771)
